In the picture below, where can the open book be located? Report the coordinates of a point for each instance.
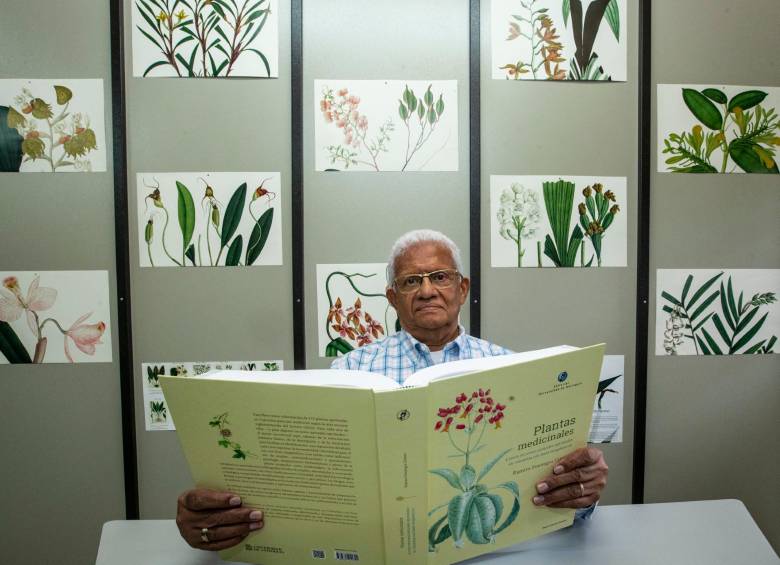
(349, 466)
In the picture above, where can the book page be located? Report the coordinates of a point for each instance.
(309, 377)
(492, 435)
(305, 455)
(455, 368)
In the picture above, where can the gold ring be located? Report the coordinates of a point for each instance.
(582, 490)
(204, 534)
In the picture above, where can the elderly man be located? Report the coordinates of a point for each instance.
(427, 288)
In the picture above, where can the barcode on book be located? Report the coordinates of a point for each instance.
(342, 555)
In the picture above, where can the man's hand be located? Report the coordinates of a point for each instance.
(221, 513)
(576, 482)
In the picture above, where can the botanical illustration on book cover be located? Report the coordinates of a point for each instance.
(479, 510)
(718, 129)
(54, 317)
(606, 425)
(386, 125)
(205, 38)
(49, 126)
(558, 221)
(352, 310)
(209, 219)
(156, 411)
(717, 311)
(559, 40)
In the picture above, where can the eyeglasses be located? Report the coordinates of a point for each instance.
(439, 279)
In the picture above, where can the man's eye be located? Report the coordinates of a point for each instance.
(440, 276)
(412, 281)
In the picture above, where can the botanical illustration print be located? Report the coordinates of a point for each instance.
(559, 39)
(54, 317)
(156, 409)
(225, 438)
(352, 310)
(224, 219)
(551, 221)
(52, 126)
(606, 426)
(476, 513)
(722, 129)
(717, 312)
(205, 38)
(392, 125)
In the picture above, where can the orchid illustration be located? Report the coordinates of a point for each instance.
(353, 326)
(13, 303)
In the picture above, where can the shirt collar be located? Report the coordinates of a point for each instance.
(419, 351)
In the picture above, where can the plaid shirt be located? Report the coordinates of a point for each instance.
(399, 355)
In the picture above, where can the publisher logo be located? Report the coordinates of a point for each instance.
(562, 376)
(403, 415)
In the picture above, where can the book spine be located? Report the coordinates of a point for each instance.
(403, 459)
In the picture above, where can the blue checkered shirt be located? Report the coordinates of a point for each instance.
(399, 355)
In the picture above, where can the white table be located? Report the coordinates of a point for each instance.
(709, 532)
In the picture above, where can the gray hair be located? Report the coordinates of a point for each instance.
(415, 237)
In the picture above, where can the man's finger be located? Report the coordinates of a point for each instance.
(222, 544)
(205, 499)
(570, 492)
(578, 458)
(232, 517)
(580, 475)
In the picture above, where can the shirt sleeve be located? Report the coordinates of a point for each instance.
(340, 363)
(585, 513)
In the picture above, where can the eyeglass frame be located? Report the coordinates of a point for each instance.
(424, 276)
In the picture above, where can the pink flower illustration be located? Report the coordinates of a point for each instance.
(85, 336)
(12, 303)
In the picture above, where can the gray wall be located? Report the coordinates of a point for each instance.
(61, 476)
(540, 128)
(385, 41)
(201, 314)
(711, 422)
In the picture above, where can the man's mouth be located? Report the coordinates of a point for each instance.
(428, 307)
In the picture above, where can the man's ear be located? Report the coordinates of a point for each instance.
(390, 294)
(465, 284)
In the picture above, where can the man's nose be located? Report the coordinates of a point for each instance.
(426, 288)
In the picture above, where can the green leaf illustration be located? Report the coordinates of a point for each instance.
(746, 100)
(259, 236)
(751, 157)
(458, 514)
(566, 9)
(11, 346)
(490, 464)
(234, 253)
(481, 520)
(748, 335)
(433, 534)
(715, 95)
(336, 346)
(606, 382)
(186, 214)
(515, 510)
(448, 475)
(703, 108)
(10, 140)
(64, 94)
(711, 342)
(190, 254)
(467, 476)
(613, 18)
(233, 212)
